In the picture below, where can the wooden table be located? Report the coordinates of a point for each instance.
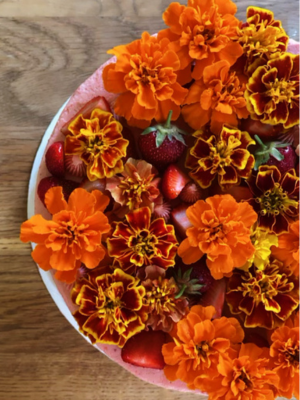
(47, 48)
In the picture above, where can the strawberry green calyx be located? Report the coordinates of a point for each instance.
(187, 286)
(166, 130)
(265, 150)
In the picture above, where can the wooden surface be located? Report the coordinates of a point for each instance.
(47, 48)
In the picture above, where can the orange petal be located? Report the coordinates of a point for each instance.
(81, 200)
(55, 201)
(102, 200)
(67, 276)
(226, 7)
(92, 260)
(41, 255)
(124, 104)
(189, 254)
(200, 65)
(231, 52)
(113, 80)
(172, 17)
(63, 261)
(195, 116)
(36, 229)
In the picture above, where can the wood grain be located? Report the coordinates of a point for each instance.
(47, 48)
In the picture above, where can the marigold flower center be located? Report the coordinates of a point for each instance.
(143, 243)
(161, 294)
(281, 90)
(69, 231)
(242, 375)
(290, 353)
(275, 201)
(203, 350)
(133, 189)
(142, 71)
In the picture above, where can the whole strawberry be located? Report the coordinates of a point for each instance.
(162, 145)
(282, 155)
(55, 159)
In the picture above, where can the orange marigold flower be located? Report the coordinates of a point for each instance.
(273, 91)
(74, 234)
(225, 156)
(247, 377)
(218, 98)
(288, 248)
(139, 242)
(198, 343)
(110, 306)
(99, 143)
(264, 298)
(145, 77)
(261, 37)
(221, 229)
(163, 307)
(137, 187)
(276, 198)
(204, 32)
(284, 353)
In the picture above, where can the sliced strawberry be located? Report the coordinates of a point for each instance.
(145, 350)
(191, 193)
(96, 102)
(51, 181)
(215, 296)
(180, 220)
(75, 166)
(238, 192)
(98, 184)
(55, 160)
(264, 131)
(173, 181)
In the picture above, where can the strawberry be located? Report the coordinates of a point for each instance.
(98, 184)
(193, 279)
(180, 220)
(75, 166)
(86, 110)
(51, 181)
(215, 296)
(191, 193)
(55, 161)
(264, 131)
(173, 181)
(162, 145)
(282, 155)
(145, 350)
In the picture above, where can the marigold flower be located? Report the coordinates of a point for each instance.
(145, 77)
(287, 250)
(272, 93)
(284, 353)
(137, 187)
(218, 98)
(139, 242)
(163, 307)
(98, 142)
(263, 298)
(204, 32)
(221, 229)
(74, 234)
(225, 156)
(247, 377)
(198, 343)
(110, 306)
(276, 198)
(261, 37)
(262, 242)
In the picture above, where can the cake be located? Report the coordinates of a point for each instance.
(166, 205)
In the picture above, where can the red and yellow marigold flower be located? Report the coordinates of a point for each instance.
(110, 306)
(224, 156)
(272, 93)
(164, 309)
(203, 32)
(248, 376)
(136, 187)
(221, 229)
(198, 344)
(98, 142)
(74, 234)
(276, 198)
(139, 242)
(287, 250)
(145, 77)
(261, 37)
(284, 356)
(218, 98)
(264, 298)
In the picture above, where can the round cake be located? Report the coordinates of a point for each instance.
(164, 205)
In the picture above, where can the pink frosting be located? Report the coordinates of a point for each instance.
(91, 88)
